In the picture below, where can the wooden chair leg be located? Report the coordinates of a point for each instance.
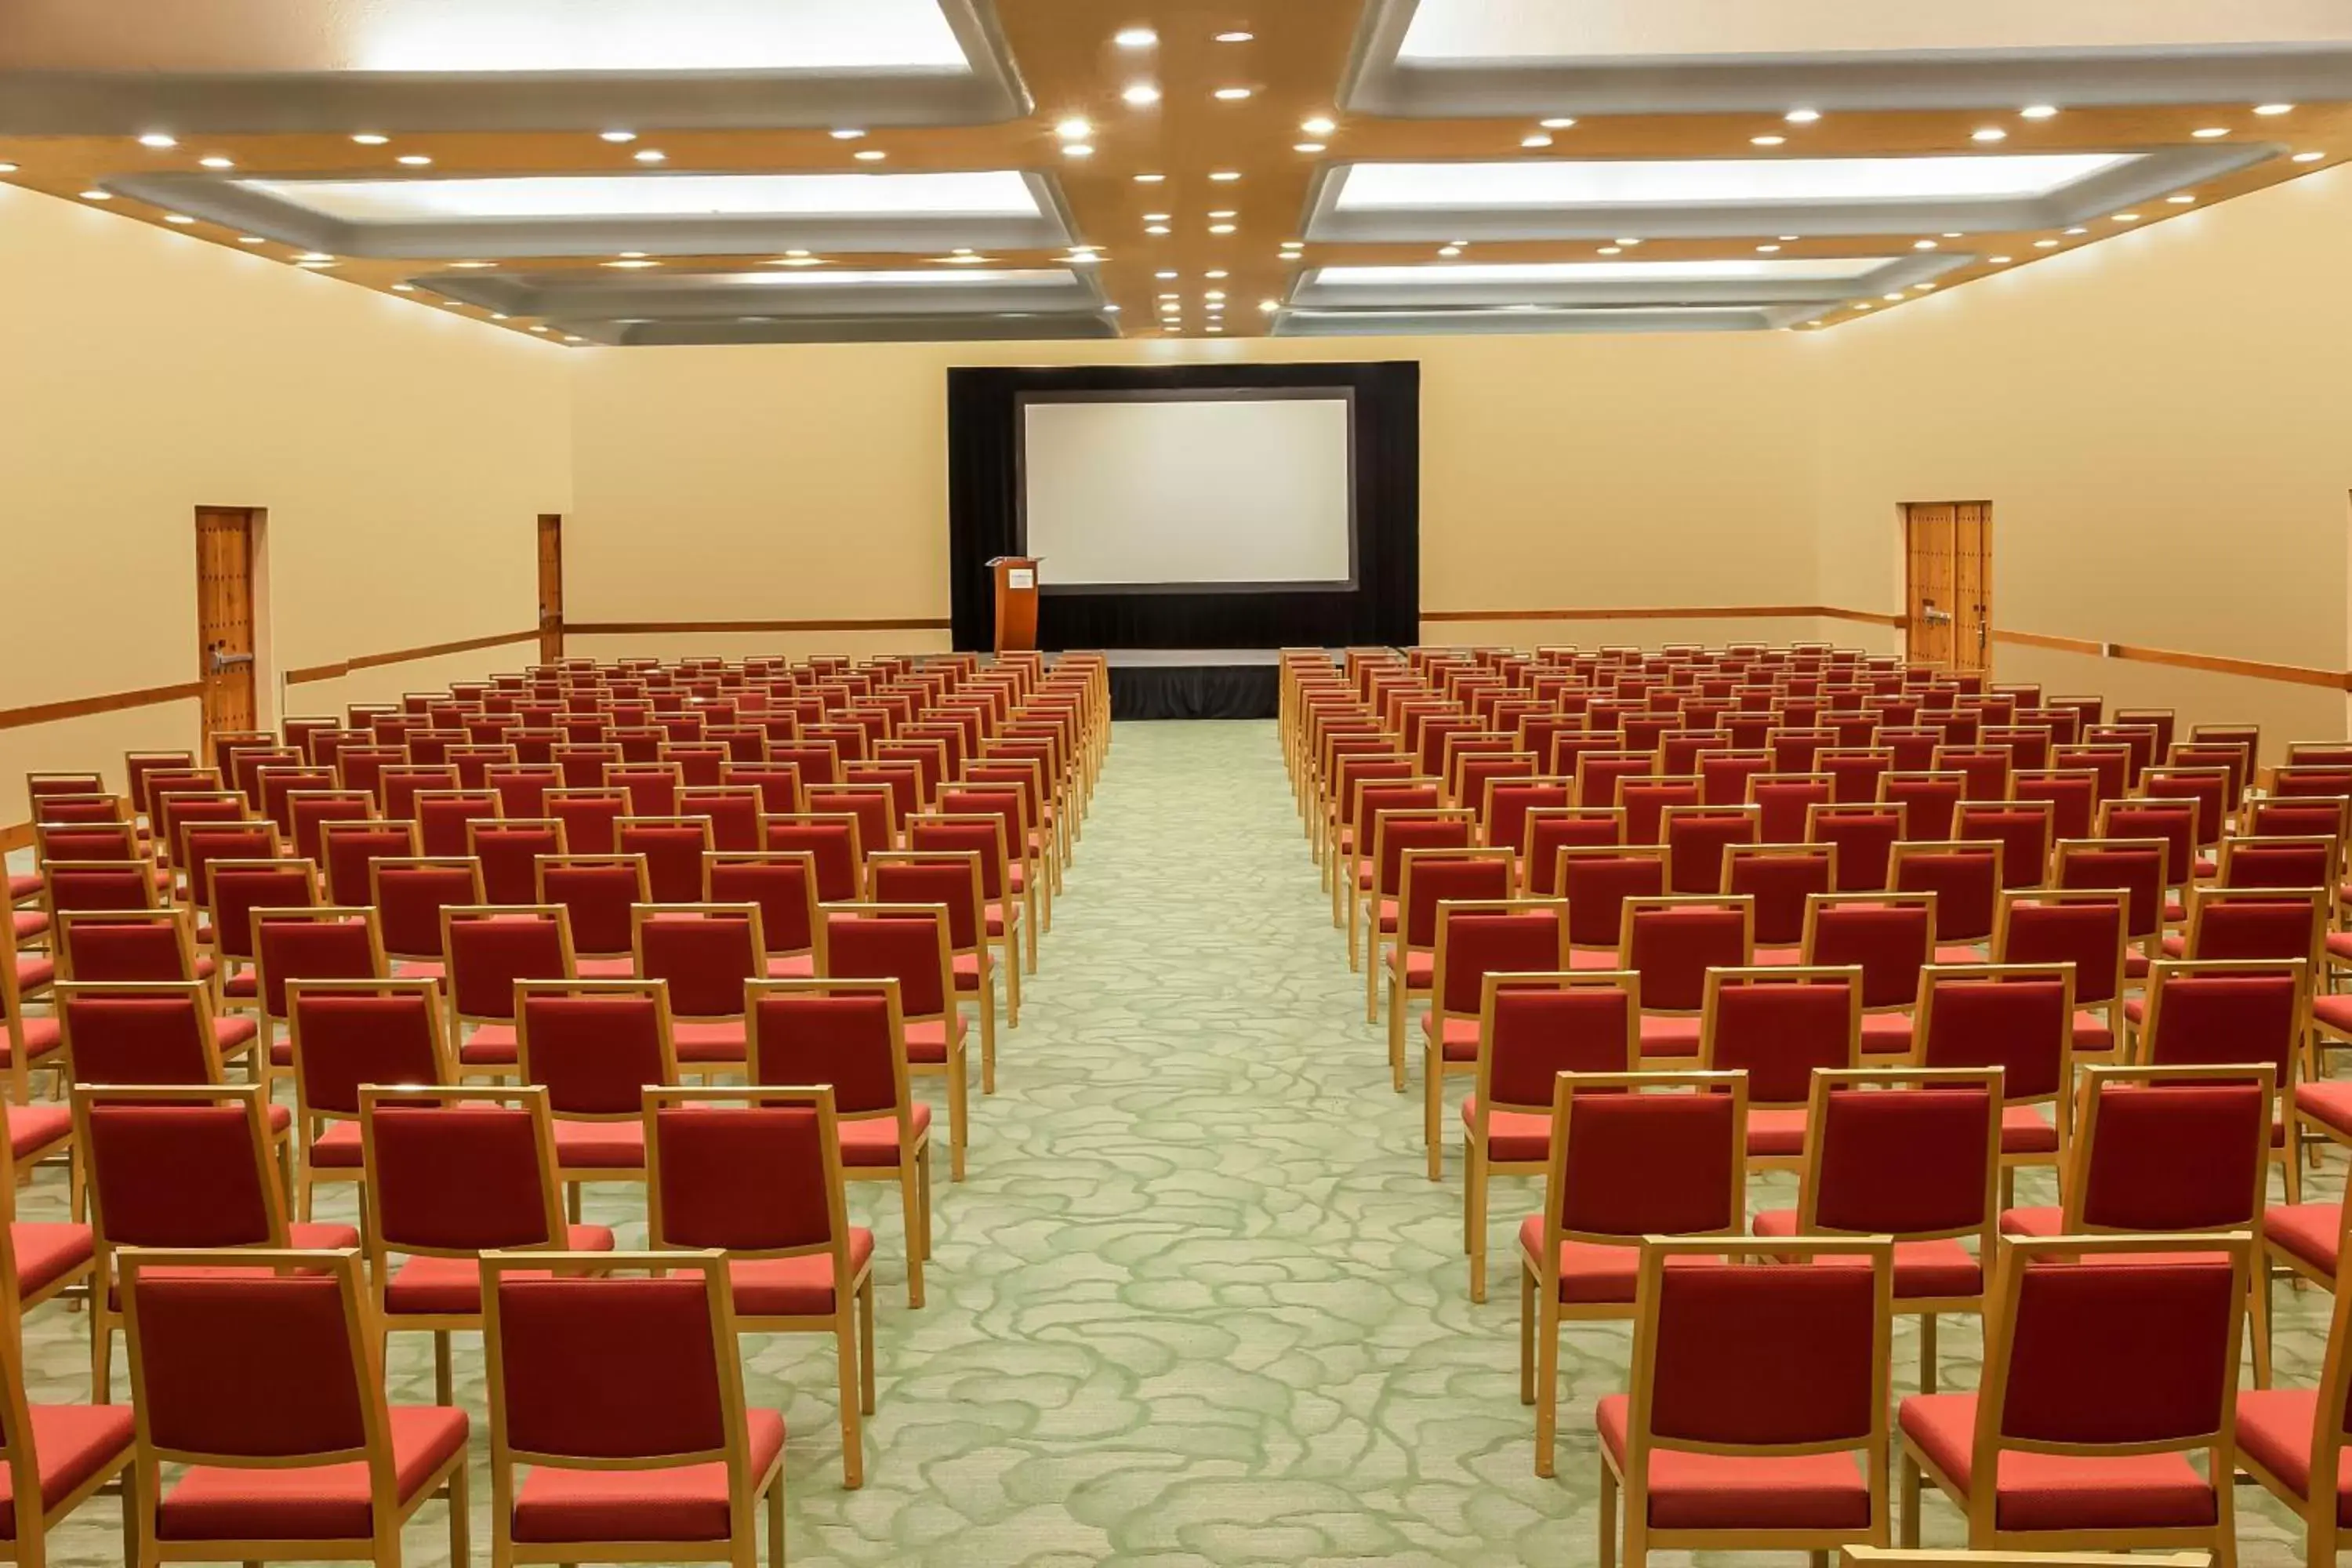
(1432, 1107)
(1910, 1531)
(1606, 1555)
(909, 1207)
(1928, 1352)
(442, 1391)
(958, 1092)
(1547, 1388)
(845, 1340)
(460, 1521)
(1474, 1203)
(987, 1034)
(1527, 1334)
(866, 1346)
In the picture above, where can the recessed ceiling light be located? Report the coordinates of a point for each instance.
(1216, 273)
(1135, 37)
(2274, 109)
(314, 265)
(98, 196)
(1233, 94)
(1921, 287)
(845, 133)
(1890, 298)
(1307, 147)
(1557, 122)
(1801, 116)
(2039, 111)
(1148, 179)
(217, 163)
(2001, 261)
(2045, 244)
(1110, 310)
(1225, 212)
(1141, 94)
(1165, 297)
(2207, 132)
(2078, 230)
(1613, 251)
(539, 329)
(1269, 306)
(1155, 218)
(1221, 228)
(370, 139)
(322, 256)
(1226, 177)
(2181, 200)
(498, 316)
(802, 259)
(2126, 218)
(633, 256)
(1623, 241)
(473, 266)
(1163, 277)
(1988, 133)
(418, 160)
(1951, 234)
(158, 139)
(869, 155)
(1214, 328)
(251, 239)
(617, 136)
(7, 168)
(963, 258)
(1321, 125)
(1789, 239)
(1156, 228)
(1538, 140)
(1863, 305)
(1073, 130)
(1766, 141)
(1076, 150)
(1449, 250)
(1215, 294)
(403, 287)
(568, 339)
(1236, 37)
(1922, 245)
(2309, 157)
(632, 265)
(1768, 249)
(178, 217)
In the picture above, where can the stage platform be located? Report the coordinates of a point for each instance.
(1195, 683)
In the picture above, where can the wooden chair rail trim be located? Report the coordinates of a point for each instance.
(106, 702)
(403, 654)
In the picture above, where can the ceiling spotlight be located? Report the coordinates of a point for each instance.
(1306, 146)
(1890, 298)
(1135, 37)
(158, 139)
(314, 265)
(1221, 228)
(1226, 177)
(2039, 111)
(1165, 297)
(217, 163)
(177, 217)
(1766, 141)
(1988, 133)
(473, 265)
(1236, 37)
(845, 133)
(2207, 133)
(655, 155)
(7, 168)
(1538, 140)
(632, 265)
(1155, 218)
(1076, 150)
(1768, 249)
(2274, 109)
(2182, 200)
(1921, 287)
(322, 256)
(1141, 94)
(419, 161)
(1157, 228)
(1148, 179)
(2078, 230)
(1164, 277)
(538, 329)
(639, 255)
(1215, 274)
(1449, 250)
(1951, 234)
(403, 287)
(1233, 94)
(1613, 251)
(1215, 295)
(497, 316)
(1922, 245)
(1269, 306)
(1226, 212)
(1110, 310)
(961, 250)
(1622, 241)
(2001, 261)
(2045, 244)
(1801, 116)
(1789, 239)
(2308, 157)
(568, 339)
(866, 155)
(616, 136)
(1214, 328)
(963, 258)
(2126, 218)
(370, 139)
(1557, 122)
(1863, 305)
(1073, 130)
(98, 196)
(794, 255)
(1321, 125)
(251, 239)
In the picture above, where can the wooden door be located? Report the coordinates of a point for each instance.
(550, 587)
(1948, 583)
(225, 616)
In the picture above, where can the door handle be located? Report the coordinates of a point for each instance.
(222, 663)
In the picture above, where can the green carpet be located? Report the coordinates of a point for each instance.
(1198, 1303)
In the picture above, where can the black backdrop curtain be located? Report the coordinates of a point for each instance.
(984, 512)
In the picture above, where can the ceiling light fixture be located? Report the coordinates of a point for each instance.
(1622, 241)
(1890, 298)
(178, 217)
(497, 316)
(1135, 37)
(631, 266)
(159, 140)
(539, 329)
(1233, 94)
(2274, 109)
(2045, 244)
(870, 155)
(2207, 132)
(1142, 94)
(1321, 125)
(1110, 310)
(1922, 245)
(1538, 140)
(616, 136)
(1226, 177)
(403, 287)
(1768, 249)
(1613, 251)
(1801, 116)
(1988, 133)
(2126, 218)
(1221, 228)
(1155, 218)
(1215, 294)
(845, 133)
(568, 339)
(7, 168)
(2039, 111)
(419, 161)
(655, 155)
(1269, 306)
(1157, 228)
(1164, 277)
(473, 266)
(322, 256)
(1225, 212)
(1766, 141)
(2001, 261)
(1076, 150)
(1236, 37)
(1215, 274)
(1148, 179)
(1789, 238)
(251, 239)
(639, 255)
(1073, 130)
(2308, 157)
(98, 196)
(2181, 200)
(1557, 122)
(2078, 229)
(1449, 250)
(1307, 147)
(217, 163)
(370, 139)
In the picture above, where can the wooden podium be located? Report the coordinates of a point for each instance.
(1017, 602)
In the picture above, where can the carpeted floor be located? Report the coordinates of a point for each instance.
(1197, 1304)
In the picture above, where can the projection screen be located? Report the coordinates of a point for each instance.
(1150, 491)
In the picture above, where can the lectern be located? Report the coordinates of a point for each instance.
(1017, 602)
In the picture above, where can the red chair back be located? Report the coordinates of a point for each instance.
(1929, 800)
(594, 1045)
(2219, 1012)
(1783, 879)
(1966, 879)
(1779, 1026)
(904, 943)
(2157, 1150)
(1908, 1153)
(411, 893)
(179, 1167)
(832, 841)
(758, 1178)
(2135, 867)
(845, 1034)
(509, 851)
(492, 947)
(242, 886)
(1673, 941)
(1532, 1029)
(353, 850)
(708, 953)
(596, 892)
(2084, 929)
(458, 1171)
(1667, 1159)
(2017, 1017)
(328, 942)
(1696, 837)
(347, 1033)
(591, 816)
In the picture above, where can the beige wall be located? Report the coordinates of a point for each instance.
(402, 454)
(793, 483)
(2159, 421)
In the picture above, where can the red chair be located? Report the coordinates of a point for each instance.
(1407, 958)
(1475, 939)
(953, 881)
(1984, 771)
(177, 1165)
(591, 816)
(707, 954)
(325, 941)
(783, 884)
(673, 849)
(850, 1035)
(409, 896)
(597, 893)
(445, 817)
(1854, 772)
(984, 836)
(2292, 1441)
(1757, 1419)
(733, 811)
(523, 788)
(2208, 788)
(652, 787)
(1395, 834)
(1531, 1029)
(509, 850)
(1928, 799)
(1865, 835)
(595, 1046)
(2072, 793)
(1597, 881)
(2282, 923)
(678, 1472)
(2098, 1385)
(1784, 800)
(1697, 838)
(908, 943)
(2085, 928)
(452, 1173)
(2018, 1017)
(1912, 1154)
(345, 1034)
(1966, 878)
(1550, 829)
(2024, 829)
(491, 948)
(39, 1259)
(2163, 1150)
(1633, 1155)
(832, 840)
(1672, 943)
(322, 1469)
(2173, 821)
(1781, 1025)
(351, 849)
(157, 1031)
(1645, 799)
(757, 1175)
(62, 1455)
(1891, 937)
(2133, 867)
(1782, 878)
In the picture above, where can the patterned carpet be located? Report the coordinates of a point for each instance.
(1197, 1304)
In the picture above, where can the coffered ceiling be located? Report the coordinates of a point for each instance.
(638, 171)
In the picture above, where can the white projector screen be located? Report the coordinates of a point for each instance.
(1223, 489)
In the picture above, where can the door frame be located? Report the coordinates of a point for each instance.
(265, 694)
(1967, 616)
(550, 615)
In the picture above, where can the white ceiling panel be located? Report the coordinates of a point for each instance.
(1822, 270)
(993, 194)
(1560, 182)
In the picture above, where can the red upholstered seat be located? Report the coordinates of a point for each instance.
(1960, 953)
(490, 1045)
(2091, 1033)
(2334, 1011)
(2025, 1130)
(2339, 944)
(73, 1442)
(245, 985)
(33, 1128)
(2274, 1427)
(234, 1032)
(873, 1139)
(454, 1284)
(927, 1040)
(2328, 1100)
(719, 1042)
(1419, 968)
(802, 966)
(215, 1502)
(1590, 1271)
(1592, 958)
(2060, 1491)
(1775, 1133)
(1735, 1491)
(2175, 944)
(688, 1502)
(793, 1287)
(47, 1253)
(1886, 1034)
(28, 923)
(1461, 1037)
(1512, 1136)
(338, 1148)
(1923, 1270)
(607, 968)
(2136, 1010)
(600, 1145)
(32, 972)
(2032, 1221)
(2309, 1231)
(23, 886)
(1669, 1037)
(1783, 956)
